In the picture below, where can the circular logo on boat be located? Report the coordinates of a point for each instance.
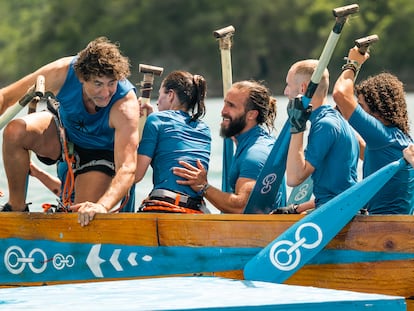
(285, 255)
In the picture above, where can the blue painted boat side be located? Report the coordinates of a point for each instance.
(291, 250)
(46, 261)
(26, 261)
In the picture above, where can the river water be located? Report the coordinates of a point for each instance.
(38, 194)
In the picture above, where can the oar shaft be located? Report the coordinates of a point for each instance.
(341, 15)
(226, 70)
(9, 114)
(34, 94)
(147, 82)
(224, 35)
(325, 57)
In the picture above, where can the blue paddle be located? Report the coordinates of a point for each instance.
(301, 193)
(262, 198)
(303, 240)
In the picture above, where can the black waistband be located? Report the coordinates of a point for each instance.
(172, 197)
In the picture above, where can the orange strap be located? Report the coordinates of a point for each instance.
(177, 199)
(69, 184)
(162, 206)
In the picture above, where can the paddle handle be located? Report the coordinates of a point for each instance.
(224, 36)
(33, 94)
(363, 45)
(39, 92)
(341, 15)
(146, 84)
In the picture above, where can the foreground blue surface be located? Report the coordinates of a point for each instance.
(191, 293)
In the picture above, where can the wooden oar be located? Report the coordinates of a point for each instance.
(39, 91)
(224, 35)
(363, 45)
(128, 202)
(32, 93)
(262, 197)
(303, 240)
(146, 89)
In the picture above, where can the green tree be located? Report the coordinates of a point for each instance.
(177, 34)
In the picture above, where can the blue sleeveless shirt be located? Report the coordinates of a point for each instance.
(89, 131)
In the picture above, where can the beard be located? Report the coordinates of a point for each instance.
(235, 127)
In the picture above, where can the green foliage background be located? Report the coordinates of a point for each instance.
(178, 34)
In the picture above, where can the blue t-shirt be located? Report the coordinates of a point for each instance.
(89, 131)
(253, 149)
(169, 137)
(384, 144)
(333, 151)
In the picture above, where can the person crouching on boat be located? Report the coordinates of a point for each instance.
(379, 114)
(331, 154)
(175, 133)
(99, 112)
(248, 109)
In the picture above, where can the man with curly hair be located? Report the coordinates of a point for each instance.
(379, 114)
(99, 112)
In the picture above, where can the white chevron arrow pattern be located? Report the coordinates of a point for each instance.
(94, 261)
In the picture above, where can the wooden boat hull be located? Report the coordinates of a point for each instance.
(372, 254)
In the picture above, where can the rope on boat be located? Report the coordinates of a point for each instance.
(149, 205)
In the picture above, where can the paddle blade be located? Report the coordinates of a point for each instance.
(301, 193)
(303, 240)
(267, 185)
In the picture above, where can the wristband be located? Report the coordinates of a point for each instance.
(352, 65)
(203, 189)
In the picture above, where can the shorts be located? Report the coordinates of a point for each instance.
(87, 160)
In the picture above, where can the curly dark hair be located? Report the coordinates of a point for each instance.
(384, 94)
(100, 58)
